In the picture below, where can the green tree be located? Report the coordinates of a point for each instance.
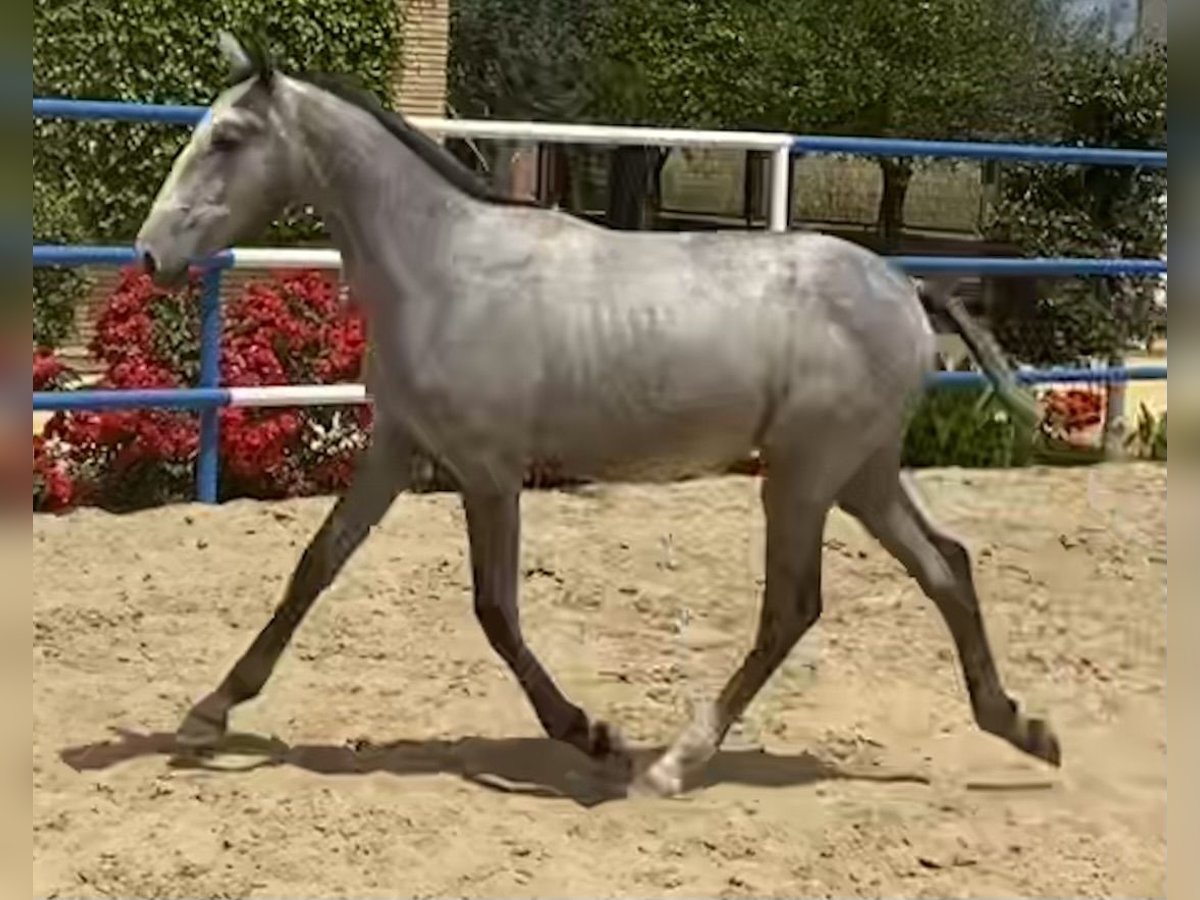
(1102, 96)
(54, 290)
(958, 69)
(682, 64)
(520, 59)
(967, 69)
(612, 61)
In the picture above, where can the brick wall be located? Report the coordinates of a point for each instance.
(419, 88)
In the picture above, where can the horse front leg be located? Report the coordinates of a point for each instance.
(383, 471)
(493, 530)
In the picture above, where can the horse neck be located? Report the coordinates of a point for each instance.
(382, 203)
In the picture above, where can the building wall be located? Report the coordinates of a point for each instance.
(420, 85)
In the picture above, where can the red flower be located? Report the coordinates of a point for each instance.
(49, 372)
(1069, 412)
(53, 489)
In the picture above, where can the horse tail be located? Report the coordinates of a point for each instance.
(937, 297)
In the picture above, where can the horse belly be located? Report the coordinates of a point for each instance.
(661, 449)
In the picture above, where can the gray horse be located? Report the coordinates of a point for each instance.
(504, 335)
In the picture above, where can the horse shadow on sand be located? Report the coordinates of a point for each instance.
(533, 766)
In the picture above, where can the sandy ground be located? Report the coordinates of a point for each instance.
(415, 768)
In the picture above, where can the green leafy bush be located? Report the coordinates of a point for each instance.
(961, 426)
(55, 291)
(1148, 440)
(1099, 96)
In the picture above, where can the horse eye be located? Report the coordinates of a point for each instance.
(223, 142)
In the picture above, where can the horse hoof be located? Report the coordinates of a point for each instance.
(607, 746)
(1042, 743)
(203, 727)
(659, 781)
(605, 740)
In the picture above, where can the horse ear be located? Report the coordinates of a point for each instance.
(247, 58)
(241, 66)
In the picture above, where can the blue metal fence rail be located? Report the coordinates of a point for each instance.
(209, 396)
(1041, 267)
(102, 255)
(1030, 153)
(117, 111)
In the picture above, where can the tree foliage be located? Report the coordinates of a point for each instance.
(938, 68)
(963, 69)
(1100, 96)
(54, 290)
(94, 181)
(521, 59)
(689, 64)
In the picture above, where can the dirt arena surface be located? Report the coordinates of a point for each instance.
(413, 766)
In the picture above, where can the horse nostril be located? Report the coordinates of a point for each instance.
(148, 263)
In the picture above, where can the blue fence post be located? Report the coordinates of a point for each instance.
(208, 460)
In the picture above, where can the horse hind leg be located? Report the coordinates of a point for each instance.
(885, 501)
(791, 605)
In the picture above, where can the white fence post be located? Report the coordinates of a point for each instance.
(781, 195)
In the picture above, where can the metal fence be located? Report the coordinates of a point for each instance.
(209, 395)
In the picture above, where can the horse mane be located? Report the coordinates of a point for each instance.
(428, 150)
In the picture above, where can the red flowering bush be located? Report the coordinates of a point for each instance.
(49, 372)
(294, 330)
(1068, 415)
(53, 487)
(289, 330)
